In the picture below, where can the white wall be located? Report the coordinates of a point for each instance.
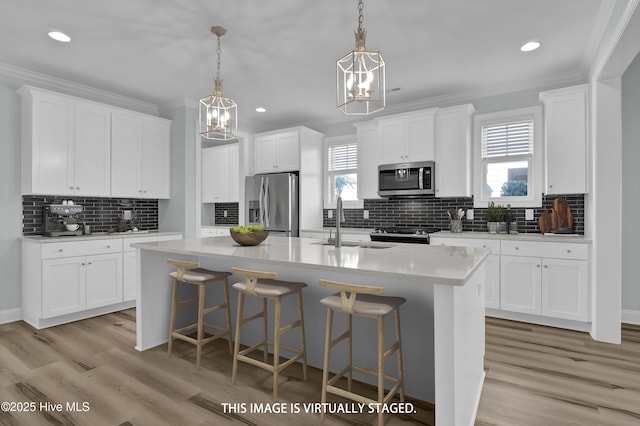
(10, 204)
(630, 189)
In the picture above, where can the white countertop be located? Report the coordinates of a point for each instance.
(430, 264)
(569, 238)
(231, 225)
(96, 236)
(363, 231)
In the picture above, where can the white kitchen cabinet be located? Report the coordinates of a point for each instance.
(277, 152)
(104, 280)
(221, 231)
(453, 151)
(549, 279)
(369, 158)
(566, 124)
(492, 264)
(63, 286)
(407, 137)
(66, 145)
(140, 156)
(220, 174)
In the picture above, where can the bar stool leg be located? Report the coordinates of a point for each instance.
(303, 345)
(349, 351)
(399, 355)
(227, 305)
(200, 336)
(276, 346)
(172, 321)
(380, 368)
(264, 329)
(236, 347)
(325, 367)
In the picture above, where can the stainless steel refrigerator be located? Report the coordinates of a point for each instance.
(272, 200)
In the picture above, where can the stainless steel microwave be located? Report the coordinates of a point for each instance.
(402, 179)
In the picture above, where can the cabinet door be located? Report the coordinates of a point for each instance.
(420, 138)
(453, 153)
(129, 275)
(63, 286)
(104, 280)
(566, 121)
(92, 163)
(368, 160)
(234, 173)
(492, 287)
(392, 138)
(265, 154)
(222, 169)
(288, 152)
(52, 145)
(126, 155)
(520, 284)
(565, 289)
(209, 183)
(156, 159)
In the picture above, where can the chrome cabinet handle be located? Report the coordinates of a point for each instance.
(60, 250)
(568, 251)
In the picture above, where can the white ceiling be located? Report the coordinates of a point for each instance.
(281, 54)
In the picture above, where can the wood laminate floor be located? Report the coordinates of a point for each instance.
(535, 376)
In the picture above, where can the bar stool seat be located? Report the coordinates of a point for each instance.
(266, 286)
(368, 302)
(191, 273)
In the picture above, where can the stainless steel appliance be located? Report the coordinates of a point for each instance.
(403, 235)
(55, 217)
(406, 179)
(272, 200)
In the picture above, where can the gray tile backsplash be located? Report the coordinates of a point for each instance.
(431, 212)
(101, 213)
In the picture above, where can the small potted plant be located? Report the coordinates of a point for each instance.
(495, 215)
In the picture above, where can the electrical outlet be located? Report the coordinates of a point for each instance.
(330, 214)
(469, 214)
(126, 215)
(528, 214)
(224, 213)
(365, 214)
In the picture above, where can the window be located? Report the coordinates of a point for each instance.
(342, 171)
(508, 163)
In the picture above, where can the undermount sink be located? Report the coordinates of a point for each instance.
(353, 244)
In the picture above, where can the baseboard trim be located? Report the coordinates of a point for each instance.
(10, 315)
(631, 317)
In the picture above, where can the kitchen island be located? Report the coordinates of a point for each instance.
(442, 321)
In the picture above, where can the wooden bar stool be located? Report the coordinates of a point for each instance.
(266, 286)
(362, 301)
(191, 273)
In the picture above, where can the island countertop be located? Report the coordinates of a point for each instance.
(430, 264)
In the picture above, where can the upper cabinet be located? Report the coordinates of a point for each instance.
(407, 137)
(277, 152)
(65, 145)
(74, 147)
(140, 152)
(453, 151)
(367, 137)
(566, 133)
(221, 174)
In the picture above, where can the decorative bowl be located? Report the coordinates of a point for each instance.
(252, 239)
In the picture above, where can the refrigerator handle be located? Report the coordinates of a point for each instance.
(266, 203)
(261, 201)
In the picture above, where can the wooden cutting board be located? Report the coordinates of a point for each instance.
(544, 221)
(562, 217)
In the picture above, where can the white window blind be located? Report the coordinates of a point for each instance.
(507, 139)
(343, 157)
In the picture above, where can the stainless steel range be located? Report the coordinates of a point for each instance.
(403, 235)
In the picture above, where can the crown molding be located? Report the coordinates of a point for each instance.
(178, 103)
(20, 76)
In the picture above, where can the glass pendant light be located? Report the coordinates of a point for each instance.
(360, 77)
(218, 114)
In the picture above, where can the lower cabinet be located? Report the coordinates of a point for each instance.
(549, 279)
(104, 280)
(63, 286)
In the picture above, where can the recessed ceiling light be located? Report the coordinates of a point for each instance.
(59, 36)
(529, 46)
(261, 109)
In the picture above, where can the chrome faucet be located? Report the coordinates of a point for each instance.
(339, 218)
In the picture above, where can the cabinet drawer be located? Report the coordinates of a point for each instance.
(548, 250)
(81, 248)
(491, 245)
